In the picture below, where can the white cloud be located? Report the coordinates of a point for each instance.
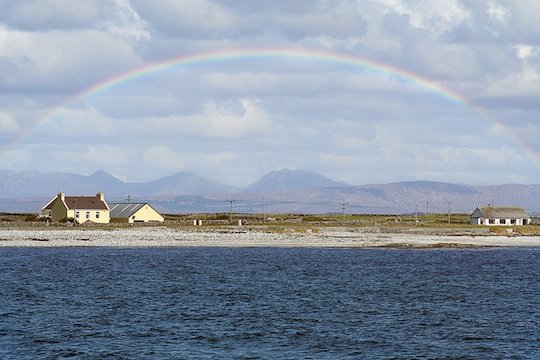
(38, 15)
(105, 156)
(12, 43)
(166, 160)
(74, 125)
(62, 60)
(201, 14)
(497, 12)
(229, 120)
(127, 22)
(526, 51)
(225, 121)
(188, 17)
(83, 158)
(256, 115)
(7, 123)
(436, 16)
(163, 157)
(17, 159)
(523, 83)
(333, 19)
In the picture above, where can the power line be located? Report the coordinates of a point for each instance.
(343, 207)
(230, 208)
(263, 210)
(449, 210)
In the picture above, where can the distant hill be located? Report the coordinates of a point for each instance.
(288, 180)
(15, 184)
(182, 183)
(278, 191)
(405, 197)
(26, 184)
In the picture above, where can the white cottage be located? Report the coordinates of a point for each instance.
(500, 216)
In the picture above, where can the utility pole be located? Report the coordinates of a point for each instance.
(449, 210)
(343, 207)
(129, 198)
(75, 219)
(230, 208)
(427, 207)
(416, 214)
(263, 211)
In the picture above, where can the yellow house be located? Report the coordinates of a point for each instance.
(79, 208)
(134, 212)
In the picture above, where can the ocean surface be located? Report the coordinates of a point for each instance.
(269, 303)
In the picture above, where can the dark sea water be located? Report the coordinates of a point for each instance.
(269, 303)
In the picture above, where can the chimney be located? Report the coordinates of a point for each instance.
(100, 196)
(62, 196)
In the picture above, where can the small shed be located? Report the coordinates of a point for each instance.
(134, 213)
(500, 216)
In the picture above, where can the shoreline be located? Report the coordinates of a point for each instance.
(329, 238)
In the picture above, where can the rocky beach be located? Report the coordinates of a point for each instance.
(170, 237)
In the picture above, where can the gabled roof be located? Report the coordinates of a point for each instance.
(80, 203)
(85, 203)
(125, 210)
(500, 212)
(49, 205)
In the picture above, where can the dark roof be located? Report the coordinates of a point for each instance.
(125, 210)
(81, 203)
(85, 202)
(500, 212)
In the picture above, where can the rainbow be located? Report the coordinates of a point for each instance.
(261, 53)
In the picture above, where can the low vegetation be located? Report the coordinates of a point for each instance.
(437, 224)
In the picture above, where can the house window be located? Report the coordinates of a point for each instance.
(502, 221)
(88, 214)
(77, 214)
(491, 221)
(97, 214)
(513, 221)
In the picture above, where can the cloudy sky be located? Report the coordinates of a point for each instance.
(442, 90)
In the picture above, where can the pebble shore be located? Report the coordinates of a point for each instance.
(167, 237)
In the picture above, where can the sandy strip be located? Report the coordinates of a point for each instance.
(165, 237)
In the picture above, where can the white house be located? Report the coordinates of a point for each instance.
(500, 216)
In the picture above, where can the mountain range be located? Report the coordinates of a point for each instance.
(278, 191)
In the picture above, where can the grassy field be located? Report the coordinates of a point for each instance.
(325, 220)
(428, 224)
